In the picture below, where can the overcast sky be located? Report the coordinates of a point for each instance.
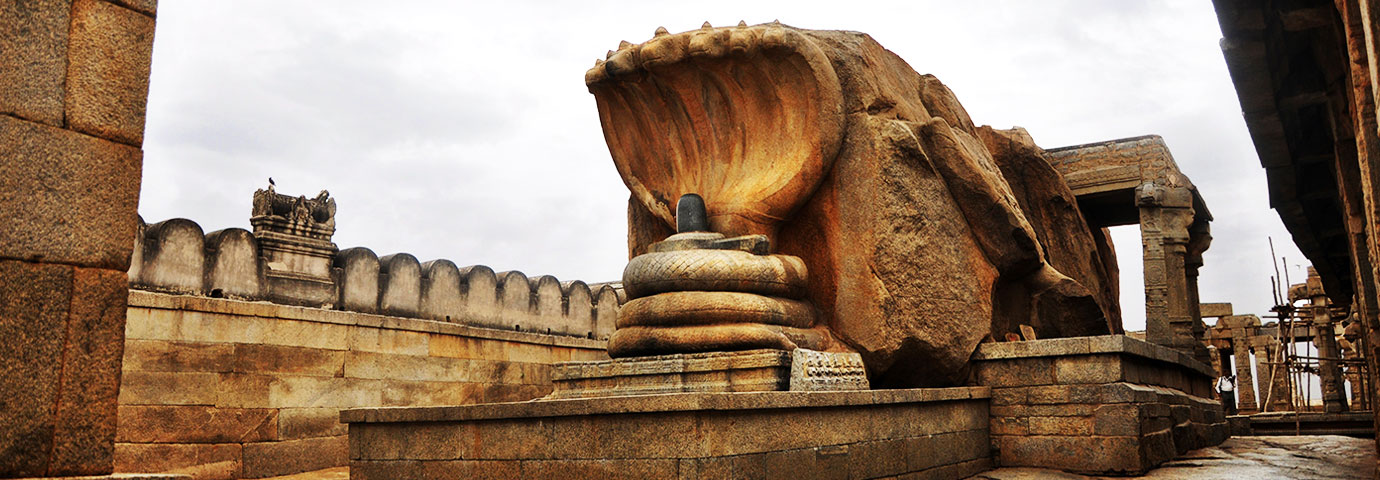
(463, 130)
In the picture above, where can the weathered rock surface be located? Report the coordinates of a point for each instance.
(917, 244)
(1071, 246)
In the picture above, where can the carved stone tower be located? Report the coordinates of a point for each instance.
(294, 234)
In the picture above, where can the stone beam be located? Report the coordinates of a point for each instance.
(1214, 310)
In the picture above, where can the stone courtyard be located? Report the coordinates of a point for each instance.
(1317, 457)
(834, 271)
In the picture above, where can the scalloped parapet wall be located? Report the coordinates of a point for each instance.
(177, 256)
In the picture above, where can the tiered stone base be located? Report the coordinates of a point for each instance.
(745, 371)
(1097, 405)
(920, 433)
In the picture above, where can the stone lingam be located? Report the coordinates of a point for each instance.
(711, 313)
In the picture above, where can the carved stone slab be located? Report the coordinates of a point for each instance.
(826, 371)
(744, 371)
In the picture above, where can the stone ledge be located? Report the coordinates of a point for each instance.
(1056, 347)
(1313, 416)
(745, 371)
(676, 364)
(677, 402)
(164, 301)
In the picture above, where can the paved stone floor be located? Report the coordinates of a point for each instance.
(1241, 458)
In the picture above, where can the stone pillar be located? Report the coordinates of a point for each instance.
(73, 83)
(1276, 377)
(1165, 215)
(1245, 382)
(1352, 371)
(1215, 360)
(1356, 351)
(1221, 364)
(1329, 370)
(1200, 238)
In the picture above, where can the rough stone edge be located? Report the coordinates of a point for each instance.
(1358, 416)
(1058, 347)
(164, 301)
(1131, 142)
(675, 402)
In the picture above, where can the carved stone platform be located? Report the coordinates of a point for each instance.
(745, 371)
(936, 433)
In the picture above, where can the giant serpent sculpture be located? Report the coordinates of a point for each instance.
(848, 204)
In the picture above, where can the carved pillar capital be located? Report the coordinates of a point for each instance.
(1199, 239)
(1167, 196)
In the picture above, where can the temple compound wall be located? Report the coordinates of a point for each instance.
(222, 388)
(241, 348)
(175, 256)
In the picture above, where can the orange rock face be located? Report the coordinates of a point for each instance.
(873, 175)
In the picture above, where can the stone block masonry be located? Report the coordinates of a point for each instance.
(1096, 405)
(917, 433)
(73, 85)
(224, 388)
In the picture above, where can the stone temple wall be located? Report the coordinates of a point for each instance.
(223, 388)
(224, 377)
(176, 256)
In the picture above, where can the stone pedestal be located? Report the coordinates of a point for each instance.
(917, 433)
(746, 371)
(1097, 405)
